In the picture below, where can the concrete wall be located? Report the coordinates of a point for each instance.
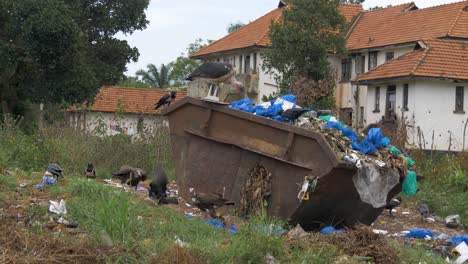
(431, 106)
(112, 124)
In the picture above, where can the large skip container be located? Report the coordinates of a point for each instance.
(214, 147)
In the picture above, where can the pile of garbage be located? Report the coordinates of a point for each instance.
(371, 154)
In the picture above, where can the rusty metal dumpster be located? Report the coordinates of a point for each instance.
(214, 146)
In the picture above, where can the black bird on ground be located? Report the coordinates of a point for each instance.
(158, 187)
(293, 113)
(216, 73)
(55, 169)
(423, 211)
(208, 202)
(90, 172)
(167, 99)
(392, 204)
(130, 176)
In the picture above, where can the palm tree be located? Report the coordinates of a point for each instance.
(158, 78)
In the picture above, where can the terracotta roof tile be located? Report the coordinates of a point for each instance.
(440, 59)
(133, 100)
(398, 25)
(256, 33)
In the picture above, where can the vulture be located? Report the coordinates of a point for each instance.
(90, 172)
(423, 211)
(167, 99)
(158, 185)
(392, 204)
(130, 176)
(208, 202)
(55, 170)
(216, 73)
(293, 113)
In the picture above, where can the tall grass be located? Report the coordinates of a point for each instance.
(74, 149)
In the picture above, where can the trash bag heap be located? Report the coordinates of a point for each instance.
(373, 155)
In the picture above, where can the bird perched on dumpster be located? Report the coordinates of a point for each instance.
(167, 99)
(130, 176)
(392, 204)
(423, 211)
(90, 172)
(217, 73)
(294, 113)
(208, 202)
(55, 169)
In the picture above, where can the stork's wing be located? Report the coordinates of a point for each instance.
(55, 169)
(210, 70)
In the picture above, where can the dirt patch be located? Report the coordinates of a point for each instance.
(17, 245)
(363, 242)
(176, 255)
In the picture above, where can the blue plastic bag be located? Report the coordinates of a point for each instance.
(378, 140)
(289, 97)
(349, 133)
(419, 233)
(245, 105)
(459, 239)
(330, 230)
(365, 147)
(215, 223)
(271, 111)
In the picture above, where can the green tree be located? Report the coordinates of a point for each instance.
(63, 50)
(235, 26)
(156, 77)
(301, 41)
(133, 82)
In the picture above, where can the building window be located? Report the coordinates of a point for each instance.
(360, 64)
(372, 59)
(255, 63)
(345, 70)
(377, 100)
(405, 97)
(240, 64)
(247, 65)
(389, 56)
(459, 98)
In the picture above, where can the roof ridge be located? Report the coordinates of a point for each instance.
(419, 62)
(389, 7)
(235, 32)
(456, 21)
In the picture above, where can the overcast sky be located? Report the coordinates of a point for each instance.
(176, 23)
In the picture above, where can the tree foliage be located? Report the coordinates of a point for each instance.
(156, 77)
(235, 26)
(64, 50)
(301, 41)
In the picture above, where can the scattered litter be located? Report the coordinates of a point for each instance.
(179, 242)
(46, 180)
(442, 237)
(189, 215)
(23, 184)
(270, 230)
(188, 205)
(430, 219)
(452, 221)
(67, 223)
(462, 249)
(420, 233)
(380, 232)
(405, 213)
(141, 188)
(233, 230)
(215, 223)
(330, 230)
(269, 259)
(297, 233)
(58, 208)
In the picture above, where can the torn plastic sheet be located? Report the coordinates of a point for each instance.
(372, 186)
(58, 207)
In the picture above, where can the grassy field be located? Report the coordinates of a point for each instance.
(121, 227)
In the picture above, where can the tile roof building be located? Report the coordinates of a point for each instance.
(121, 110)
(402, 62)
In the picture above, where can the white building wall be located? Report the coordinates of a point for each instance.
(112, 124)
(431, 106)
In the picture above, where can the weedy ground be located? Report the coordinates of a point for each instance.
(121, 227)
